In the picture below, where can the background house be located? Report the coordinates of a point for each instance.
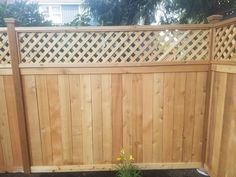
(60, 11)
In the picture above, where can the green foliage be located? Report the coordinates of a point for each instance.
(82, 19)
(126, 168)
(193, 11)
(26, 14)
(130, 12)
(123, 12)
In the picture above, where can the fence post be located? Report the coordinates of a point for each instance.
(15, 57)
(210, 83)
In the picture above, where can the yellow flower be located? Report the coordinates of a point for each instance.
(131, 157)
(122, 151)
(118, 159)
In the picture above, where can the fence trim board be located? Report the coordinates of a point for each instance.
(223, 62)
(116, 70)
(111, 167)
(115, 28)
(104, 65)
(224, 68)
(3, 29)
(12, 170)
(5, 71)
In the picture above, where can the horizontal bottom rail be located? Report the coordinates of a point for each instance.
(111, 167)
(12, 170)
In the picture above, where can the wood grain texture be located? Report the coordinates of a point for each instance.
(87, 119)
(4, 128)
(66, 127)
(117, 116)
(147, 117)
(107, 118)
(168, 116)
(87, 122)
(13, 121)
(55, 122)
(221, 143)
(32, 115)
(158, 106)
(199, 117)
(76, 118)
(137, 118)
(189, 112)
(44, 119)
(179, 106)
(96, 87)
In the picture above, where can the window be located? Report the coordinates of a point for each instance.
(56, 15)
(52, 13)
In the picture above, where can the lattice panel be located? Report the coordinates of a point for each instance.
(114, 47)
(4, 49)
(225, 43)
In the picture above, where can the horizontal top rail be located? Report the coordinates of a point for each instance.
(225, 22)
(115, 28)
(3, 30)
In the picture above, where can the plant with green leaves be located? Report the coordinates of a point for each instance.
(26, 14)
(126, 168)
(82, 19)
(123, 12)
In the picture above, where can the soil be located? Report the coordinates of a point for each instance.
(146, 173)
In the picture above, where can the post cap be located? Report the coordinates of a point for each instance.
(214, 18)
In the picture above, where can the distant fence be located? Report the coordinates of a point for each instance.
(81, 95)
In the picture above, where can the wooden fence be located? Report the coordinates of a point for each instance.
(74, 98)
(221, 146)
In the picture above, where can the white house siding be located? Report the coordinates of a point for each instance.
(69, 12)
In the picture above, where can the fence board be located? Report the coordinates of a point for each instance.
(44, 120)
(107, 118)
(199, 118)
(76, 118)
(12, 118)
(32, 115)
(178, 127)
(147, 117)
(117, 118)
(158, 105)
(87, 122)
(221, 144)
(168, 116)
(4, 128)
(54, 114)
(127, 112)
(189, 116)
(137, 119)
(66, 127)
(96, 87)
